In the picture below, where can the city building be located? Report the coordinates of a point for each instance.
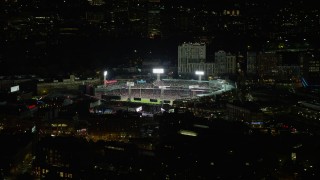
(251, 63)
(247, 112)
(60, 157)
(225, 63)
(138, 17)
(96, 2)
(154, 20)
(192, 57)
(267, 64)
(310, 67)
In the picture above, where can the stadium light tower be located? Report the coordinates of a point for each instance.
(105, 73)
(129, 84)
(199, 73)
(158, 71)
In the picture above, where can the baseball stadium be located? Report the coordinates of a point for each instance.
(159, 91)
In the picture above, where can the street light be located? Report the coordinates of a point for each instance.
(200, 73)
(105, 78)
(158, 71)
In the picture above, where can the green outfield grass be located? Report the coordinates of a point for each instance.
(144, 101)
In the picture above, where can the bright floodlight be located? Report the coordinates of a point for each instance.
(105, 78)
(199, 72)
(157, 71)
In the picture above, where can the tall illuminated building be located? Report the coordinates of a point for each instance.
(192, 57)
(154, 20)
(137, 15)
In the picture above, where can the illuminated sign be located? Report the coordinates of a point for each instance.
(111, 81)
(14, 88)
(141, 81)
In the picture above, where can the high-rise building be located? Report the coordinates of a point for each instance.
(96, 2)
(220, 61)
(251, 63)
(117, 17)
(138, 18)
(310, 67)
(225, 63)
(191, 56)
(154, 20)
(267, 64)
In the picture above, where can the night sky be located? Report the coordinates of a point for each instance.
(74, 35)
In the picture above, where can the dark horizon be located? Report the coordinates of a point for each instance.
(56, 36)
